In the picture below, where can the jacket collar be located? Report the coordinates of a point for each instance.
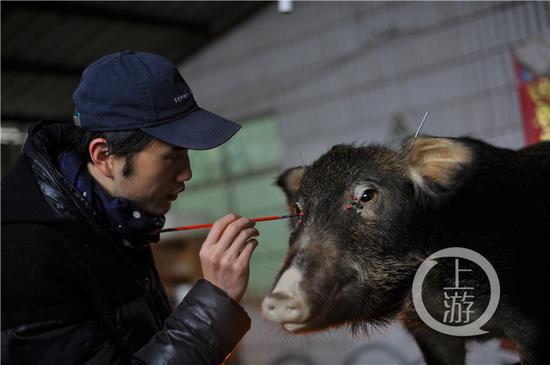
(67, 207)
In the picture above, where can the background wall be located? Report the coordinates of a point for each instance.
(333, 72)
(343, 71)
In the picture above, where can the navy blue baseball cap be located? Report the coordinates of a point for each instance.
(140, 90)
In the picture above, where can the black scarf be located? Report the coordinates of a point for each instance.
(134, 226)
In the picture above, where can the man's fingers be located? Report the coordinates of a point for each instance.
(240, 241)
(218, 228)
(231, 232)
(246, 253)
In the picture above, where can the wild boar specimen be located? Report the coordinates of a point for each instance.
(372, 215)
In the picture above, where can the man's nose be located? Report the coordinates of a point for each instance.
(185, 174)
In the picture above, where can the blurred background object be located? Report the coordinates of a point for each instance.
(299, 82)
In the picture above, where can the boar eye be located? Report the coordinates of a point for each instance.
(367, 195)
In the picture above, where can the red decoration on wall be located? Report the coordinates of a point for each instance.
(534, 98)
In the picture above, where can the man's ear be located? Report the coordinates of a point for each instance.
(290, 181)
(435, 164)
(100, 156)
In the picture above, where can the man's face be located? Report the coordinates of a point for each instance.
(158, 175)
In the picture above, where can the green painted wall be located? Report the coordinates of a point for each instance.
(239, 177)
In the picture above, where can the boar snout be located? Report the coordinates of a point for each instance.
(282, 307)
(286, 304)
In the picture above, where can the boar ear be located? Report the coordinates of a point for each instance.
(435, 164)
(290, 182)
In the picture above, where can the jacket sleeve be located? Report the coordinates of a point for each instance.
(203, 329)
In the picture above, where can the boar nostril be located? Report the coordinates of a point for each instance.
(282, 307)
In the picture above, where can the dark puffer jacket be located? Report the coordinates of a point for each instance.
(73, 294)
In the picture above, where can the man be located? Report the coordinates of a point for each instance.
(79, 211)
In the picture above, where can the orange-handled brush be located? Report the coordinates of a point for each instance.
(261, 219)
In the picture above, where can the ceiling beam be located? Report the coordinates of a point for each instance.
(82, 9)
(38, 67)
(20, 118)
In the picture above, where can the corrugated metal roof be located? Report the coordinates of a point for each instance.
(46, 45)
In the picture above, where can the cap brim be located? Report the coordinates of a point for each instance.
(200, 130)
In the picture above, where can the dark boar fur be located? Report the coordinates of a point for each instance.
(357, 265)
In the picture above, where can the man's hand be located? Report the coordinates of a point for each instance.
(225, 255)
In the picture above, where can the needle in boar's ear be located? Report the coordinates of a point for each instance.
(421, 124)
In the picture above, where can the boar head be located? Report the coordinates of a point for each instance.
(354, 252)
